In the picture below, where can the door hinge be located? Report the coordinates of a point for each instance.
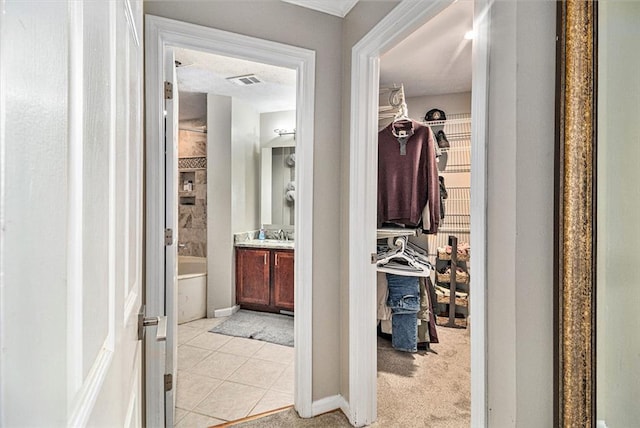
(168, 237)
(168, 90)
(374, 258)
(168, 382)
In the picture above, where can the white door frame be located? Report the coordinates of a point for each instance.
(405, 18)
(162, 33)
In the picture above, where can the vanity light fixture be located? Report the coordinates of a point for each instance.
(283, 131)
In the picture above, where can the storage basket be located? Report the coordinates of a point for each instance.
(443, 255)
(461, 277)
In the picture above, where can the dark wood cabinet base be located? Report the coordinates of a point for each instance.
(265, 279)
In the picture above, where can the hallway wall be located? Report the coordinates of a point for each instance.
(520, 166)
(293, 25)
(520, 214)
(520, 193)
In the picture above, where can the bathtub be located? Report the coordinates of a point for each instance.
(192, 288)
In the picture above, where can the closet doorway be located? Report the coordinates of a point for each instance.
(443, 88)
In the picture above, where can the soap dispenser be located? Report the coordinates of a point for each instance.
(261, 233)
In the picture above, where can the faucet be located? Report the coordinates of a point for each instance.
(281, 235)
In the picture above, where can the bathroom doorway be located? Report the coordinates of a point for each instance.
(178, 41)
(236, 221)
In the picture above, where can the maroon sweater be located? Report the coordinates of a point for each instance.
(407, 182)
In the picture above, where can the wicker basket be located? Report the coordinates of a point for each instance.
(461, 277)
(443, 255)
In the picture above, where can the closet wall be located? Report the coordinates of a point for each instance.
(457, 173)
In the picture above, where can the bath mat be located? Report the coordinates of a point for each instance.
(265, 326)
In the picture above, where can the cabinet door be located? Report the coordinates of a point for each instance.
(283, 279)
(252, 276)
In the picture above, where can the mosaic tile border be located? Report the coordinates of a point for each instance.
(192, 163)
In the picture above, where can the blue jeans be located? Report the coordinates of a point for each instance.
(404, 301)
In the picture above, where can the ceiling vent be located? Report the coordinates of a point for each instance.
(245, 80)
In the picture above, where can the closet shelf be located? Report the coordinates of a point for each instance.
(391, 232)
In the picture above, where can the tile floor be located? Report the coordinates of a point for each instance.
(223, 378)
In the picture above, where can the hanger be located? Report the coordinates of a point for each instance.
(402, 260)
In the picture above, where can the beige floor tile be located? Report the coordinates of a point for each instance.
(211, 341)
(178, 414)
(195, 420)
(218, 365)
(230, 401)
(277, 353)
(189, 356)
(258, 373)
(206, 323)
(272, 400)
(285, 382)
(241, 346)
(186, 333)
(192, 388)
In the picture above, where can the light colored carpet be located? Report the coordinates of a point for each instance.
(426, 389)
(265, 326)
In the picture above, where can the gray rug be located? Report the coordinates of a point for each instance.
(273, 328)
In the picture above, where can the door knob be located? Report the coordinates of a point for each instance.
(161, 322)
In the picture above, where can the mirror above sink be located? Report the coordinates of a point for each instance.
(278, 168)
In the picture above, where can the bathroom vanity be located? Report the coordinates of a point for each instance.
(264, 275)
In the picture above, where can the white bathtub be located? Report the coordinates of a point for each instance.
(192, 288)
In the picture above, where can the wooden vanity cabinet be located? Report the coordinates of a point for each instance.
(282, 278)
(264, 279)
(252, 276)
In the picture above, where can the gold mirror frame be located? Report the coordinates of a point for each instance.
(575, 214)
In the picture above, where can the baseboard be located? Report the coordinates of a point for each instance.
(329, 404)
(226, 311)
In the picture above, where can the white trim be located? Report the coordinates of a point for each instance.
(161, 33)
(154, 214)
(113, 280)
(226, 312)
(85, 400)
(329, 404)
(75, 367)
(397, 25)
(479, 131)
(336, 7)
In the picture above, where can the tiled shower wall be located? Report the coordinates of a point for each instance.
(192, 205)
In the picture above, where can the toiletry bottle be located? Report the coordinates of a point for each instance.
(190, 186)
(261, 233)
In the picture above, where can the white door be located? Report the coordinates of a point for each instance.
(171, 219)
(71, 169)
(161, 255)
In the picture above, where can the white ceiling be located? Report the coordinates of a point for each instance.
(435, 59)
(202, 72)
(334, 7)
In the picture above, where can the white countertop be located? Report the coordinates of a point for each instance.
(267, 243)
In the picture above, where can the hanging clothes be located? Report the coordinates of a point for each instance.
(407, 175)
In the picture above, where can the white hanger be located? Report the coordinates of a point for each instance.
(415, 264)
